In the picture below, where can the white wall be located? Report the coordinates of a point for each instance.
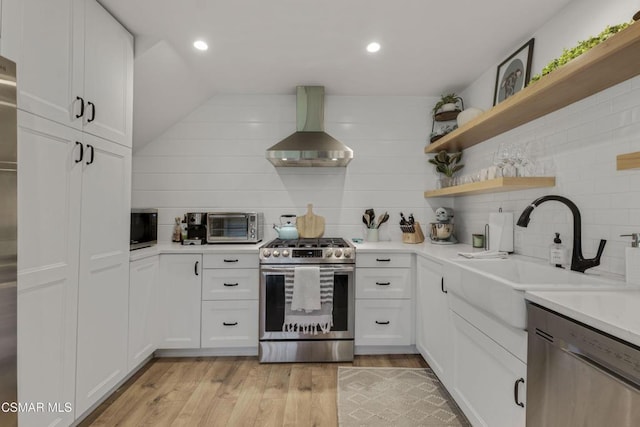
(214, 159)
(582, 140)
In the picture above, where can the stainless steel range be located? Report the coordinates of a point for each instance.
(335, 258)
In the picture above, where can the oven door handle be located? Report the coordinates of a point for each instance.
(280, 269)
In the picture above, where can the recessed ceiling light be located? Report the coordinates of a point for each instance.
(200, 45)
(373, 47)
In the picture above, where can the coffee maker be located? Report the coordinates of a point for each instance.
(442, 230)
(196, 228)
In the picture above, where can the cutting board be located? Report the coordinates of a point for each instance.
(310, 225)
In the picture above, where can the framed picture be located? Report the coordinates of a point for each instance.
(514, 73)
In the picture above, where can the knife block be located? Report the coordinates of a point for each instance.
(413, 238)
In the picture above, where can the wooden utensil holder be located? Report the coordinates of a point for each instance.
(413, 238)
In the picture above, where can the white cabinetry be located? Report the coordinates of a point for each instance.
(180, 300)
(489, 382)
(75, 64)
(384, 291)
(230, 301)
(433, 326)
(104, 270)
(143, 310)
(74, 251)
(49, 242)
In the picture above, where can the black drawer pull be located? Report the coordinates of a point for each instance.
(93, 112)
(81, 151)
(382, 323)
(230, 260)
(81, 113)
(442, 286)
(230, 284)
(383, 283)
(383, 259)
(515, 392)
(230, 323)
(195, 268)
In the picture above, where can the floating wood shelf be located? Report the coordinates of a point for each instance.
(628, 161)
(494, 186)
(607, 64)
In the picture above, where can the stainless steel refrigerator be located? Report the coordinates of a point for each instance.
(8, 240)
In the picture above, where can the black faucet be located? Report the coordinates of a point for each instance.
(578, 262)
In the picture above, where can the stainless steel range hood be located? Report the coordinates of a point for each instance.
(310, 145)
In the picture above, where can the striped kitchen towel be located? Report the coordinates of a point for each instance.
(309, 321)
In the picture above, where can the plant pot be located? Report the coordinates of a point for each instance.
(448, 107)
(444, 182)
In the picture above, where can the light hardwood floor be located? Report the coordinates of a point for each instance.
(232, 391)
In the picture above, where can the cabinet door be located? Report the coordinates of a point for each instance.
(48, 232)
(181, 287)
(108, 71)
(46, 39)
(433, 331)
(487, 379)
(104, 270)
(383, 322)
(143, 310)
(229, 324)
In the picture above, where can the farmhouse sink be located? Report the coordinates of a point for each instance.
(497, 286)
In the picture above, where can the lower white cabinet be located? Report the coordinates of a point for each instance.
(488, 381)
(229, 324)
(384, 305)
(384, 322)
(143, 310)
(433, 319)
(180, 300)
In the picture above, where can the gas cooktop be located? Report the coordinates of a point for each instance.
(324, 250)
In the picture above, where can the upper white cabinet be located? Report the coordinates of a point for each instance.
(75, 64)
(108, 76)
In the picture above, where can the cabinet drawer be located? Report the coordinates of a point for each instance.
(231, 261)
(384, 322)
(383, 283)
(230, 284)
(229, 324)
(384, 260)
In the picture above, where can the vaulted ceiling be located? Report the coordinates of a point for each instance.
(270, 46)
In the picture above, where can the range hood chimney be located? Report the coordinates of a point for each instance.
(310, 145)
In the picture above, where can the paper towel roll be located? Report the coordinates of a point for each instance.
(632, 265)
(501, 231)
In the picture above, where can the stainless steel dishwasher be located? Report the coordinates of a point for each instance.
(579, 376)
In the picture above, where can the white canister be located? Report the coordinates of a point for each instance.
(372, 235)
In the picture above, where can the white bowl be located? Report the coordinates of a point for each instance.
(467, 115)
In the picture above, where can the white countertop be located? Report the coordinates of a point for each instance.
(614, 312)
(425, 249)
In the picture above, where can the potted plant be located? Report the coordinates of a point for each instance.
(437, 134)
(448, 102)
(447, 165)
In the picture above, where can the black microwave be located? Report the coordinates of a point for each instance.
(144, 228)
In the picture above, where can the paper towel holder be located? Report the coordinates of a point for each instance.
(634, 238)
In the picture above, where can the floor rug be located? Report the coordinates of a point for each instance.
(394, 397)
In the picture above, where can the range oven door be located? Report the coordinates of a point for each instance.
(272, 305)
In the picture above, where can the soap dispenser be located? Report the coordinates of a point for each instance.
(557, 252)
(632, 259)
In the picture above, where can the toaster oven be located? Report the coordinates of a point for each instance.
(235, 227)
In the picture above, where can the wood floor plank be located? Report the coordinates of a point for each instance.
(248, 404)
(324, 385)
(232, 391)
(298, 407)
